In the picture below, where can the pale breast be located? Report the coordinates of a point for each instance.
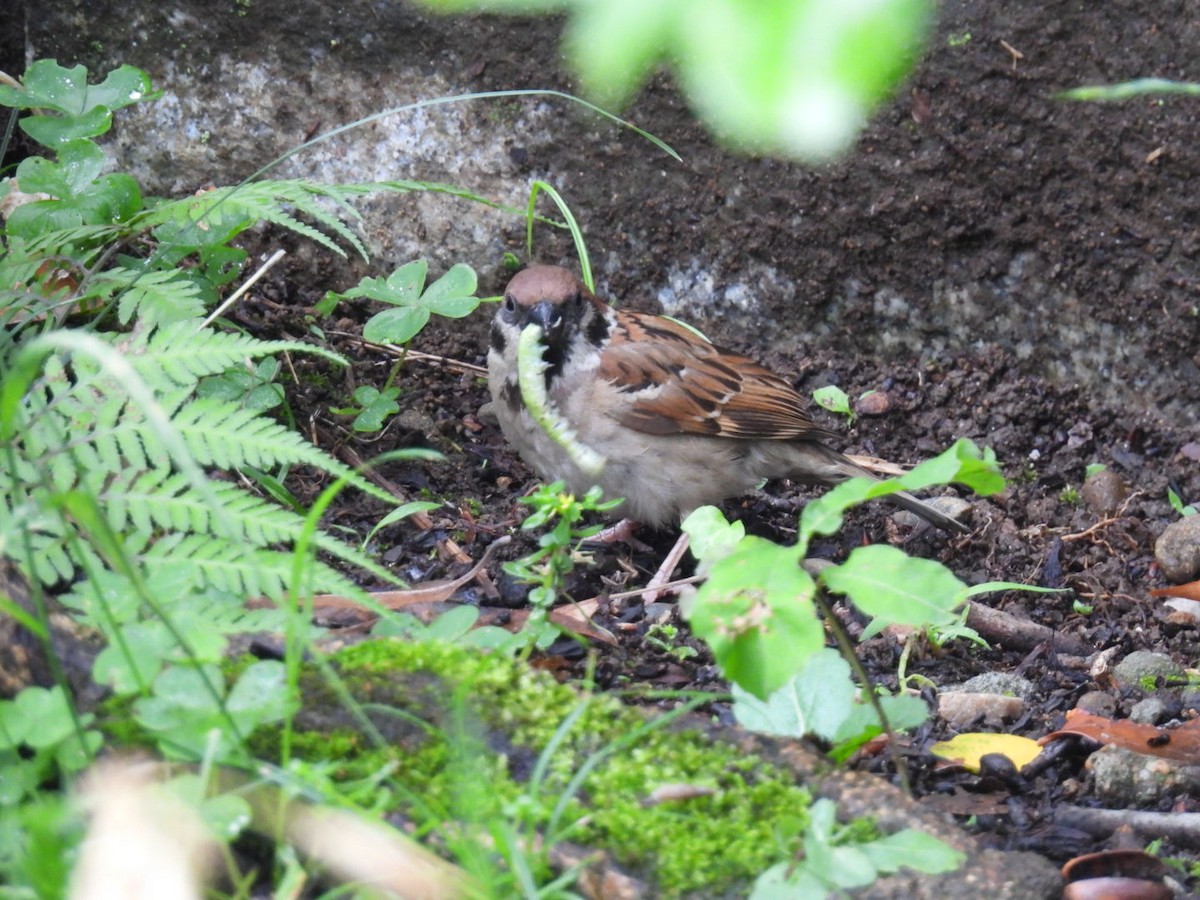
(661, 477)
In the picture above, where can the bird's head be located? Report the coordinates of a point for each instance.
(560, 304)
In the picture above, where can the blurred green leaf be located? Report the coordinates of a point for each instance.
(636, 39)
(37, 717)
(712, 537)
(895, 588)
(755, 611)
(791, 77)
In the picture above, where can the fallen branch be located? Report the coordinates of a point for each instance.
(1180, 828)
(998, 627)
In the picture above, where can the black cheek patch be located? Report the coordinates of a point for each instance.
(597, 329)
(553, 356)
(498, 340)
(511, 395)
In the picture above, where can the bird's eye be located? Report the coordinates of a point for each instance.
(510, 304)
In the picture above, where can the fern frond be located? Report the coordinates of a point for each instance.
(247, 571)
(184, 353)
(156, 297)
(80, 436)
(81, 430)
(157, 500)
(223, 434)
(215, 217)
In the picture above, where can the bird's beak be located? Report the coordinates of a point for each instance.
(549, 317)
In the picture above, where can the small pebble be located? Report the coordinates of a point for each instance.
(1098, 703)
(1177, 550)
(1187, 611)
(1104, 492)
(1123, 778)
(873, 403)
(659, 612)
(1189, 700)
(1150, 711)
(962, 710)
(1142, 667)
(998, 683)
(1102, 663)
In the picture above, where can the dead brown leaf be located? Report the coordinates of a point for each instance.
(1181, 744)
(1189, 591)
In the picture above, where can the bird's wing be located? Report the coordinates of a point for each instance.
(674, 382)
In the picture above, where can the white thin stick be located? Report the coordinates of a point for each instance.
(249, 283)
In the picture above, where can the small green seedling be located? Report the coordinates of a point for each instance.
(411, 303)
(547, 568)
(410, 306)
(374, 407)
(1178, 505)
(252, 385)
(835, 860)
(835, 400)
(941, 635)
(665, 638)
(757, 610)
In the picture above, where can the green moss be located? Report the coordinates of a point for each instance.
(702, 842)
(1069, 495)
(316, 378)
(500, 715)
(463, 732)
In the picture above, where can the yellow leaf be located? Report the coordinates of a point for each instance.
(967, 749)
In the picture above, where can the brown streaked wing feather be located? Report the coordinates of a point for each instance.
(676, 383)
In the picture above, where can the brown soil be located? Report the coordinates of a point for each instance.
(1031, 534)
(967, 161)
(976, 192)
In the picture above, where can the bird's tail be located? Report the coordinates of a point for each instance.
(928, 513)
(814, 463)
(903, 498)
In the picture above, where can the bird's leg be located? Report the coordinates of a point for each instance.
(623, 532)
(667, 569)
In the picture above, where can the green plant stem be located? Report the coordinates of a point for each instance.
(846, 647)
(585, 265)
(394, 372)
(459, 98)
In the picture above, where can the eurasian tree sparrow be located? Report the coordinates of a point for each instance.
(679, 422)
